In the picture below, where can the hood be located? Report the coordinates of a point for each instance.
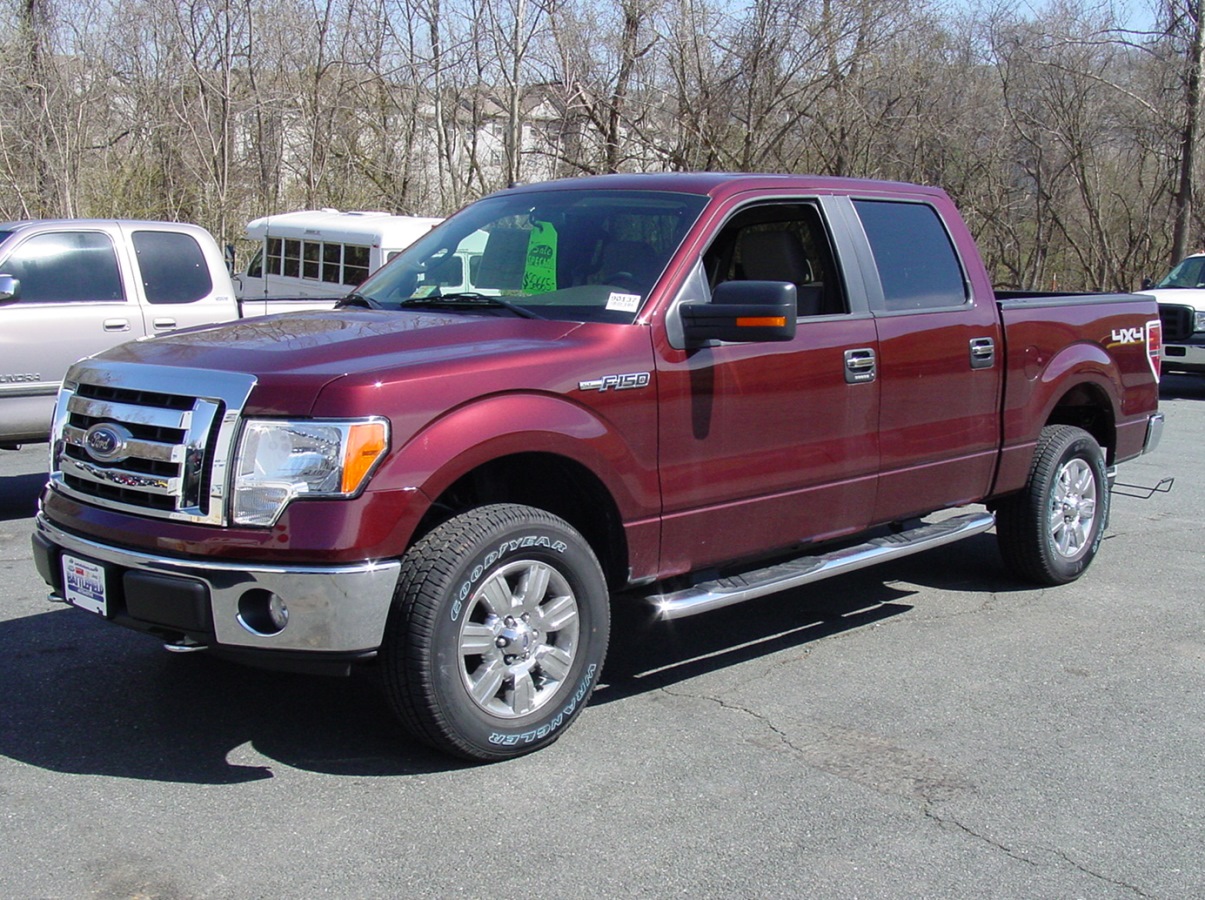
(296, 355)
(1194, 297)
(329, 343)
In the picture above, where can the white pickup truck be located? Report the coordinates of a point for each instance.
(1181, 296)
(70, 288)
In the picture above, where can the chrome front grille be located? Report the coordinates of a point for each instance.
(148, 439)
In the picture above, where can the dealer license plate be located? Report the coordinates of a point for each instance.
(84, 584)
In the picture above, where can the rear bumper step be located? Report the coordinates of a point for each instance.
(807, 569)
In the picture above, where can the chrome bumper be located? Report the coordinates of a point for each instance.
(331, 609)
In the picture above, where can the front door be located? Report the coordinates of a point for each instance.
(768, 445)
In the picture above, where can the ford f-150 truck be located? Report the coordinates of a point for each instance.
(73, 287)
(695, 388)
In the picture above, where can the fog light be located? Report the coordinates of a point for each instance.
(262, 612)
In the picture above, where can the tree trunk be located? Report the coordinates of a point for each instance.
(1183, 203)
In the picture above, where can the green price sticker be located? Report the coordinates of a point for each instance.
(539, 272)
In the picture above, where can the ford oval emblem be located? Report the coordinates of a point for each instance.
(107, 442)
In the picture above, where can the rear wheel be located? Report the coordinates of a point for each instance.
(498, 632)
(1050, 532)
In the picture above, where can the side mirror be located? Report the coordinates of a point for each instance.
(10, 288)
(1148, 283)
(743, 311)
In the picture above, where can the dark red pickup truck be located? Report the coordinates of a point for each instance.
(696, 388)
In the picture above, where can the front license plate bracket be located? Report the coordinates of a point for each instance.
(84, 584)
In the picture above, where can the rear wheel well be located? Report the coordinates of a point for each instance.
(549, 482)
(1086, 406)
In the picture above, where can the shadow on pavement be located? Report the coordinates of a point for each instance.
(1182, 387)
(19, 495)
(647, 654)
(85, 697)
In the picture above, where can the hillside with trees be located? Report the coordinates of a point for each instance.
(1069, 141)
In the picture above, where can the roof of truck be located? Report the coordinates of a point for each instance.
(720, 183)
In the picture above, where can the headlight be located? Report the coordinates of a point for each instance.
(1198, 321)
(279, 460)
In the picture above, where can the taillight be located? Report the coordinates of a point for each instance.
(1154, 345)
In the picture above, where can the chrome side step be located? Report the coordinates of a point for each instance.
(807, 569)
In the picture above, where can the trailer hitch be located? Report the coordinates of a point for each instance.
(1142, 491)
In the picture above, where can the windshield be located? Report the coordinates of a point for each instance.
(581, 255)
(1188, 273)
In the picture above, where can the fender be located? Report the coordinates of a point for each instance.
(1031, 397)
(525, 422)
(1079, 363)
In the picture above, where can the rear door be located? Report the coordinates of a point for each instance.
(176, 281)
(940, 360)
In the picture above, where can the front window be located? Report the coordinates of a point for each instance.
(588, 255)
(66, 267)
(1188, 273)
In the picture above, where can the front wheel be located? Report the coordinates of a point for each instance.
(498, 632)
(1050, 532)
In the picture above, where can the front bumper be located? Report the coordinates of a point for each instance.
(1186, 356)
(193, 602)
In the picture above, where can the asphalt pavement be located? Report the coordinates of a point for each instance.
(928, 728)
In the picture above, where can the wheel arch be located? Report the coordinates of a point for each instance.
(548, 481)
(1079, 386)
(1082, 387)
(1088, 406)
(541, 451)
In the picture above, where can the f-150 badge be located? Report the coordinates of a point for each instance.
(616, 382)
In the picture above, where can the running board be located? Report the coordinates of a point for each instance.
(807, 569)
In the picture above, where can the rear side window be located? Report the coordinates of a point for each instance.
(66, 267)
(173, 267)
(917, 265)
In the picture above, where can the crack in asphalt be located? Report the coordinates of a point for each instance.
(1125, 885)
(954, 824)
(920, 785)
(860, 757)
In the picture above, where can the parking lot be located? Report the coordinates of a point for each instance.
(928, 728)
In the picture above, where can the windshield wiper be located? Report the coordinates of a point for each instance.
(355, 298)
(472, 298)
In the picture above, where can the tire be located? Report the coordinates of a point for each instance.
(1050, 532)
(472, 665)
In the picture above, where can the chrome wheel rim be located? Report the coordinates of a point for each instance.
(519, 638)
(1073, 509)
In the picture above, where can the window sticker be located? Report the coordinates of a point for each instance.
(623, 302)
(539, 271)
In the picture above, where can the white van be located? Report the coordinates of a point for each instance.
(324, 252)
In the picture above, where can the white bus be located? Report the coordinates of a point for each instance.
(323, 253)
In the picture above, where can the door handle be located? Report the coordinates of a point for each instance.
(164, 323)
(983, 352)
(116, 325)
(859, 365)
